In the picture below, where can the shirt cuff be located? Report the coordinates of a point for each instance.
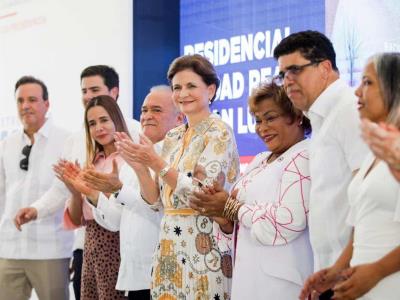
(101, 202)
(67, 221)
(41, 209)
(127, 196)
(107, 213)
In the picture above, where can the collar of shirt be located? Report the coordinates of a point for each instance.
(44, 131)
(324, 104)
(201, 127)
(104, 164)
(158, 146)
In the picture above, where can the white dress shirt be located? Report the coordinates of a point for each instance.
(139, 227)
(336, 150)
(54, 198)
(40, 239)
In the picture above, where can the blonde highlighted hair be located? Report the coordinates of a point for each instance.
(113, 110)
(387, 67)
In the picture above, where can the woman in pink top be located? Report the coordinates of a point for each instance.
(101, 255)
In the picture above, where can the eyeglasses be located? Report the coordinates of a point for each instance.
(24, 163)
(293, 70)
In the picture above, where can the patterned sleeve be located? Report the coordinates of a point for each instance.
(284, 219)
(219, 160)
(223, 240)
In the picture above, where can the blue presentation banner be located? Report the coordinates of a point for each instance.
(238, 37)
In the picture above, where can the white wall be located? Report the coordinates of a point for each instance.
(54, 40)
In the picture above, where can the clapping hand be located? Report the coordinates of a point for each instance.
(384, 142)
(131, 152)
(72, 176)
(382, 139)
(106, 183)
(210, 200)
(60, 169)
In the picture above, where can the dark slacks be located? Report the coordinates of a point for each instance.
(77, 260)
(139, 295)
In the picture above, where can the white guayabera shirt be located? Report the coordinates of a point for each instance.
(138, 225)
(44, 238)
(336, 151)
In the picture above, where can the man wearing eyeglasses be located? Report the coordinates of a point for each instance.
(308, 71)
(37, 256)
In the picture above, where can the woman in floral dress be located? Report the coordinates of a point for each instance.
(187, 263)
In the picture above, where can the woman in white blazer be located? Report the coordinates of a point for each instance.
(266, 210)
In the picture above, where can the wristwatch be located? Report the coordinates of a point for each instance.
(164, 171)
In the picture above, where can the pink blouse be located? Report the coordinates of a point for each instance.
(101, 164)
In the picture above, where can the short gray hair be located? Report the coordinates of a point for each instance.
(387, 66)
(164, 88)
(160, 88)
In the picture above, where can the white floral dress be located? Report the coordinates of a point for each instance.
(188, 263)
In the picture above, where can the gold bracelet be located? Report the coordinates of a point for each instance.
(227, 206)
(231, 209)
